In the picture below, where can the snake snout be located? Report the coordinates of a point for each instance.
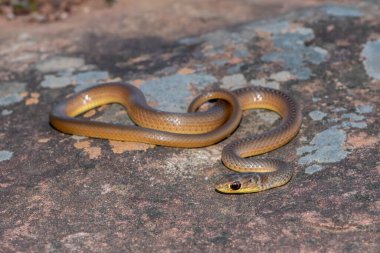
(238, 183)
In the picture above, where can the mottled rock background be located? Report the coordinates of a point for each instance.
(74, 194)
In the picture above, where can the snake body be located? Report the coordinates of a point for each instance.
(194, 129)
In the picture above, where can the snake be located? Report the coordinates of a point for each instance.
(198, 127)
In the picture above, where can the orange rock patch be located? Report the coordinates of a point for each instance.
(93, 152)
(119, 147)
(361, 140)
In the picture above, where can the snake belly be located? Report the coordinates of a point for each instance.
(194, 129)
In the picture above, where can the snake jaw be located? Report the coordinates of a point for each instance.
(239, 183)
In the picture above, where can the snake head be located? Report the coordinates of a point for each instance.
(240, 183)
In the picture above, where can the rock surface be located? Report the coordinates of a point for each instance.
(67, 193)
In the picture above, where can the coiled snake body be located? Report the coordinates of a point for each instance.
(194, 129)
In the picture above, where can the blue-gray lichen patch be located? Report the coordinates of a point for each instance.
(294, 54)
(268, 116)
(353, 116)
(5, 155)
(354, 124)
(272, 26)
(371, 55)
(83, 80)
(90, 78)
(326, 147)
(339, 109)
(190, 41)
(334, 148)
(10, 92)
(265, 83)
(57, 81)
(364, 109)
(317, 115)
(6, 112)
(281, 76)
(173, 93)
(313, 169)
(221, 38)
(342, 11)
(356, 120)
(60, 63)
(234, 81)
(235, 69)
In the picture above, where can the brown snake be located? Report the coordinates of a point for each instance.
(194, 129)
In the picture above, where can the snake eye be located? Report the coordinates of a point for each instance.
(235, 185)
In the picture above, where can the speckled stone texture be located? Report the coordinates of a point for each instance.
(62, 193)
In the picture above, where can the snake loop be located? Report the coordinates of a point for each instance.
(194, 129)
